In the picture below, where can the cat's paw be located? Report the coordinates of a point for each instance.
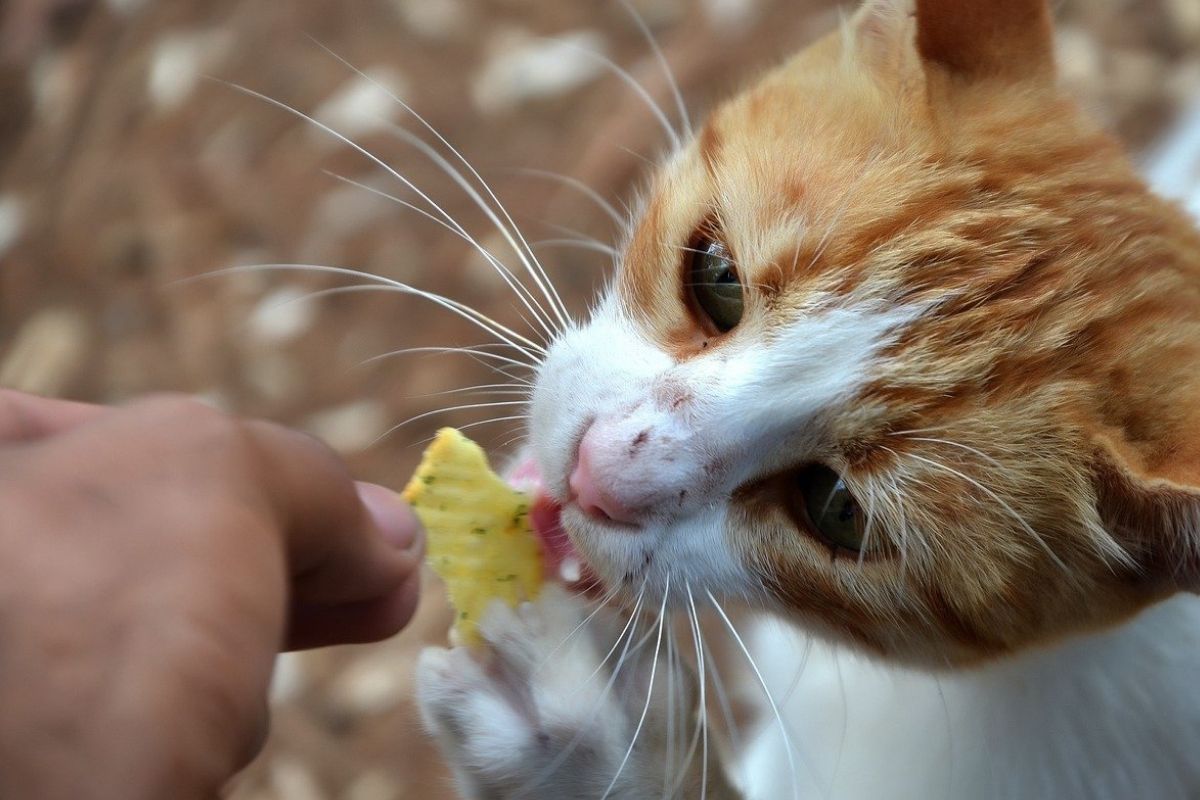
(538, 716)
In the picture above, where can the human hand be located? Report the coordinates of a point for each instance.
(153, 560)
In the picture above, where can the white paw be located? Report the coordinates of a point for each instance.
(537, 716)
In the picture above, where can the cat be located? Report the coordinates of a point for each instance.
(901, 351)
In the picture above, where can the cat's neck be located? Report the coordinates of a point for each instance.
(1106, 716)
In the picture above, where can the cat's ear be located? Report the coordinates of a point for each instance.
(987, 39)
(1153, 511)
(882, 33)
(967, 40)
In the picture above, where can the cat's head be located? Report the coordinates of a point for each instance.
(900, 343)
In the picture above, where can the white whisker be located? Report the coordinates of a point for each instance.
(684, 117)
(381, 287)
(787, 739)
(649, 162)
(509, 231)
(523, 294)
(515, 435)
(637, 607)
(579, 244)
(950, 738)
(347, 140)
(489, 421)
(870, 521)
(735, 734)
(694, 618)
(484, 390)
(670, 749)
(795, 682)
(474, 352)
(565, 753)
(577, 234)
(902, 528)
(511, 236)
(604, 205)
(1000, 501)
(492, 421)
(637, 88)
(500, 331)
(600, 606)
(662, 616)
(351, 143)
(949, 443)
(471, 313)
(448, 410)
(481, 390)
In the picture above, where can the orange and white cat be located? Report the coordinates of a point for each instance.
(902, 351)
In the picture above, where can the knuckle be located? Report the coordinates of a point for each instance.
(189, 411)
(13, 420)
(214, 436)
(303, 446)
(8, 401)
(179, 407)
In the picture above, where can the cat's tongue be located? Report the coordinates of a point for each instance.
(545, 516)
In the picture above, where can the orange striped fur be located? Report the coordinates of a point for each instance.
(1029, 449)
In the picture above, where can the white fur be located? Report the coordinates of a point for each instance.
(1111, 716)
(542, 718)
(710, 424)
(1114, 716)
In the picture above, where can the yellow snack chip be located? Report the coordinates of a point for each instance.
(479, 539)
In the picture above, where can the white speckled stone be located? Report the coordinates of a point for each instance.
(434, 19)
(525, 68)
(179, 61)
(283, 315)
(362, 105)
(349, 428)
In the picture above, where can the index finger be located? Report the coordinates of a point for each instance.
(336, 552)
(342, 551)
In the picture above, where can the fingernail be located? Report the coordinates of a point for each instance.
(395, 520)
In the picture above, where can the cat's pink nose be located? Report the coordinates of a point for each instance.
(591, 494)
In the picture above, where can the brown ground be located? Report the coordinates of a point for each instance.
(124, 170)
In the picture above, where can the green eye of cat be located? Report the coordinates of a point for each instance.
(832, 510)
(715, 285)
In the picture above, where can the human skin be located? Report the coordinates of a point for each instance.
(153, 561)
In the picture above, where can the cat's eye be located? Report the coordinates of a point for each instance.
(714, 283)
(832, 510)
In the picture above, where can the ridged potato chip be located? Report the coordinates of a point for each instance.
(479, 540)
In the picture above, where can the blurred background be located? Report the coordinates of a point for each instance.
(128, 167)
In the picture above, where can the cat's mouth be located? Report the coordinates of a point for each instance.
(563, 562)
